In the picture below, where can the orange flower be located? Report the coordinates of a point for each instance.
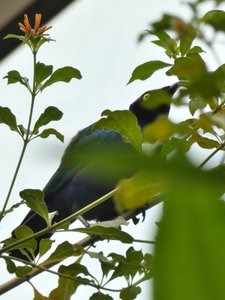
(37, 30)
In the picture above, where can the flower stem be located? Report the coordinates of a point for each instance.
(25, 141)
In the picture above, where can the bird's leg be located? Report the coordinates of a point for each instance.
(83, 221)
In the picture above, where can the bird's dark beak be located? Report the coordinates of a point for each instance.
(173, 88)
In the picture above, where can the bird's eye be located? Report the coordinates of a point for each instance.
(146, 97)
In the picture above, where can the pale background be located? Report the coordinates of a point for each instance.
(100, 39)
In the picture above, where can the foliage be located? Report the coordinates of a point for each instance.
(188, 262)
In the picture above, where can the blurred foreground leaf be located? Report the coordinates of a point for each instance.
(189, 258)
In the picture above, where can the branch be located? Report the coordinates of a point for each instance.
(60, 223)
(88, 241)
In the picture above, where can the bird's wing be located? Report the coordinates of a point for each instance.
(71, 162)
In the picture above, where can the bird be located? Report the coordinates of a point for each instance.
(72, 187)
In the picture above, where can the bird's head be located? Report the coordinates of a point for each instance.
(146, 115)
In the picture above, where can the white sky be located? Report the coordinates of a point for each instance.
(99, 38)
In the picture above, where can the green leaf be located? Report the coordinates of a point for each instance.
(74, 269)
(63, 74)
(107, 233)
(45, 246)
(29, 246)
(107, 267)
(134, 255)
(161, 129)
(164, 23)
(187, 38)
(190, 67)
(15, 36)
(8, 118)
(63, 251)
(42, 72)
(35, 200)
(100, 296)
(147, 69)
(166, 42)
(126, 269)
(67, 287)
(130, 292)
(11, 267)
(38, 296)
(215, 18)
(51, 131)
(196, 49)
(204, 142)
(208, 86)
(196, 104)
(15, 77)
(51, 113)
(123, 122)
(137, 191)
(23, 271)
(189, 256)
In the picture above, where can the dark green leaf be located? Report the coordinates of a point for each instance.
(67, 287)
(126, 269)
(42, 72)
(11, 267)
(74, 269)
(107, 233)
(130, 293)
(63, 251)
(134, 255)
(215, 18)
(23, 271)
(63, 74)
(51, 113)
(14, 77)
(45, 245)
(147, 69)
(123, 122)
(8, 118)
(51, 131)
(107, 267)
(35, 200)
(29, 246)
(100, 296)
